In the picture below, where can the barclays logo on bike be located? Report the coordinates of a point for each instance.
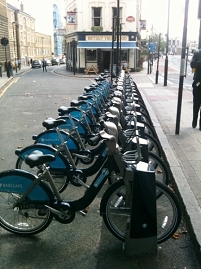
(10, 185)
(49, 140)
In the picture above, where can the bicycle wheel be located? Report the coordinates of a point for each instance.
(149, 129)
(61, 181)
(157, 164)
(24, 221)
(115, 210)
(153, 144)
(146, 119)
(161, 171)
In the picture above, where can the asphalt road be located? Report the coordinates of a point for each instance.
(85, 243)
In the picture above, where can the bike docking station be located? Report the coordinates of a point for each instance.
(141, 228)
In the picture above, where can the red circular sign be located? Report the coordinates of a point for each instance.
(130, 18)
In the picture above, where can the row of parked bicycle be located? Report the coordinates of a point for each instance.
(104, 133)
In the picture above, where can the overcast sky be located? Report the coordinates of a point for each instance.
(154, 11)
(41, 10)
(156, 14)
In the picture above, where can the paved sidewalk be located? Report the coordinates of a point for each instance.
(183, 151)
(5, 81)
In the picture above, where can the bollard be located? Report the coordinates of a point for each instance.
(141, 230)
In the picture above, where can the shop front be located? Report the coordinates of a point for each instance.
(85, 50)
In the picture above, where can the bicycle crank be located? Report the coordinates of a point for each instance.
(64, 214)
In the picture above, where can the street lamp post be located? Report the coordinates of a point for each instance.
(167, 47)
(117, 58)
(112, 51)
(199, 18)
(42, 46)
(120, 34)
(182, 69)
(14, 23)
(74, 59)
(159, 42)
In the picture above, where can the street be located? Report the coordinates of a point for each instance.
(174, 71)
(85, 243)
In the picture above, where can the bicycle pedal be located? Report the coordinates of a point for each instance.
(84, 211)
(42, 211)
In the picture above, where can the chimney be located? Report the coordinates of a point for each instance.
(21, 7)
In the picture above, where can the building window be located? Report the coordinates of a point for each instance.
(91, 56)
(12, 17)
(114, 13)
(96, 19)
(25, 40)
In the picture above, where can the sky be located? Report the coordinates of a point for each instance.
(41, 10)
(154, 11)
(156, 14)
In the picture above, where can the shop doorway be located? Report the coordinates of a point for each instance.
(105, 61)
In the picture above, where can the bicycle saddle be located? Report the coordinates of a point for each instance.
(52, 123)
(63, 110)
(85, 97)
(37, 158)
(77, 103)
(89, 88)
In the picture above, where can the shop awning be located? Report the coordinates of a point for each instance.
(106, 45)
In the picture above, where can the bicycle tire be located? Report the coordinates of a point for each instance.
(160, 168)
(60, 180)
(116, 217)
(30, 219)
(153, 144)
(149, 129)
(146, 119)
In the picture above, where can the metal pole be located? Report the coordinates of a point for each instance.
(167, 46)
(5, 54)
(159, 41)
(74, 57)
(117, 62)
(199, 18)
(120, 45)
(14, 47)
(182, 69)
(113, 39)
(148, 57)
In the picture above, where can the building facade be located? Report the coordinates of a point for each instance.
(4, 50)
(57, 24)
(24, 42)
(89, 33)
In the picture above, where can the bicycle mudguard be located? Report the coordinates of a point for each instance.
(59, 163)
(50, 137)
(68, 126)
(18, 181)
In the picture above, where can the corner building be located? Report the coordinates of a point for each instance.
(88, 35)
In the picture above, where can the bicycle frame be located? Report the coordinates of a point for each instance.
(53, 204)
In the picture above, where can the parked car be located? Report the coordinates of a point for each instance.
(36, 64)
(48, 63)
(62, 61)
(55, 62)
